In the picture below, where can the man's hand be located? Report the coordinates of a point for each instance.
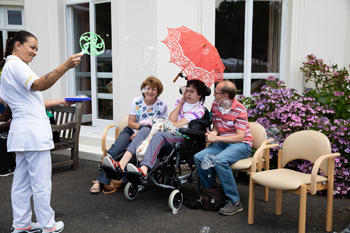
(210, 137)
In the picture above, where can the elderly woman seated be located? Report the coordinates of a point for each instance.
(189, 107)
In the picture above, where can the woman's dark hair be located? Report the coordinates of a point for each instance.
(199, 86)
(21, 37)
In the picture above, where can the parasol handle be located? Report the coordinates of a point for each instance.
(181, 72)
(177, 77)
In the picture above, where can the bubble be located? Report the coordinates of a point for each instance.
(108, 51)
(121, 49)
(154, 66)
(209, 175)
(127, 38)
(116, 59)
(206, 51)
(205, 229)
(212, 200)
(143, 66)
(107, 35)
(274, 134)
(174, 211)
(208, 161)
(147, 56)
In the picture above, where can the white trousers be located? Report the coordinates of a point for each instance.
(32, 177)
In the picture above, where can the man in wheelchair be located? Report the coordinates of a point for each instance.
(187, 109)
(230, 140)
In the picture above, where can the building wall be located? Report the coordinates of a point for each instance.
(321, 27)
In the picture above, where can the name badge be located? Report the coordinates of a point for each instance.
(230, 123)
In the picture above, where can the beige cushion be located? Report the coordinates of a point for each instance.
(284, 179)
(242, 164)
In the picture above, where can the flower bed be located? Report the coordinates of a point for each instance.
(324, 109)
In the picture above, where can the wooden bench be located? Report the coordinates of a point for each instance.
(68, 123)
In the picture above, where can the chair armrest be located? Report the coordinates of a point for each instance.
(104, 135)
(257, 158)
(192, 132)
(68, 125)
(315, 170)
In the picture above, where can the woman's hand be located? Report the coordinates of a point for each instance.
(67, 103)
(73, 61)
(134, 135)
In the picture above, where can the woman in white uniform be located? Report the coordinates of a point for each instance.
(30, 134)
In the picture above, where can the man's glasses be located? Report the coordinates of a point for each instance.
(216, 93)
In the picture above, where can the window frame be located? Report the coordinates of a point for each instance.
(247, 74)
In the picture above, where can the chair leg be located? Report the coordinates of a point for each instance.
(266, 194)
(302, 209)
(329, 217)
(278, 202)
(251, 201)
(75, 157)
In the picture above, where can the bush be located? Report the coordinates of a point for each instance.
(278, 106)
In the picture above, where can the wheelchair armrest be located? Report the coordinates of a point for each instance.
(192, 132)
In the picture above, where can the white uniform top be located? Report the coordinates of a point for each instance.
(30, 128)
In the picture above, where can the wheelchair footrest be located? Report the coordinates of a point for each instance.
(136, 178)
(111, 173)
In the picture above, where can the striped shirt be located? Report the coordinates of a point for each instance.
(236, 119)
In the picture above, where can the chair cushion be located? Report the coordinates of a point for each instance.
(242, 164)
(284, 179)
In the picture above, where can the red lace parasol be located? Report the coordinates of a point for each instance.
(197, 57)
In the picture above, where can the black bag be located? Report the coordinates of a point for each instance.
(212, 198)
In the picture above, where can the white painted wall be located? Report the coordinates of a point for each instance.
(319, 27)
(45, 20)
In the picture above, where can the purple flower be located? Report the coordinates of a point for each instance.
(338, 93)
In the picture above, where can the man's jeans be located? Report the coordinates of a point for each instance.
(226, 155)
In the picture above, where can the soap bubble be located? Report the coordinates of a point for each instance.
(154, 66)
(209, 175)
(147, 56)
(127, 38)
(121, 49)
(205, 229)
(208, 161)
(143, 66)
(116, 59)
(174, 211)
(273, 134)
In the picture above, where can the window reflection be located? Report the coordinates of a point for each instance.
(14, 17)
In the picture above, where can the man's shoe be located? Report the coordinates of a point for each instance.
(6, 173)
(33, 227)
(110, 162)
(230, 209)
(57, 228)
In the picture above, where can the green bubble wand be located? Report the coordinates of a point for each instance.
(91, 44)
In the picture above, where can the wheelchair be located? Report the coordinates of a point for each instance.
(168, 170)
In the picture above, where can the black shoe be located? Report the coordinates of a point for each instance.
(6, 173)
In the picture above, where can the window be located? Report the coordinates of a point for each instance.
(93, 77)
(248, 37)
(11, 21)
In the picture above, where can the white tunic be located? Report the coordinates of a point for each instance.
(30, 128)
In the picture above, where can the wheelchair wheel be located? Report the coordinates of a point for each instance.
(175, 200)
(131, 191)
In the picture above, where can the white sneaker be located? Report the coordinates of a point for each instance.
(31, 228)
(57, 228)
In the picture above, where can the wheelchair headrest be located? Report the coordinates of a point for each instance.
(207, 91)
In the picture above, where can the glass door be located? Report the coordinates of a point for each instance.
(93, 77)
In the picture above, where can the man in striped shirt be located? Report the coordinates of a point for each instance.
(230, 140)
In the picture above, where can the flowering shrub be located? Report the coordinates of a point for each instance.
(332, 85)
(278, 106)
